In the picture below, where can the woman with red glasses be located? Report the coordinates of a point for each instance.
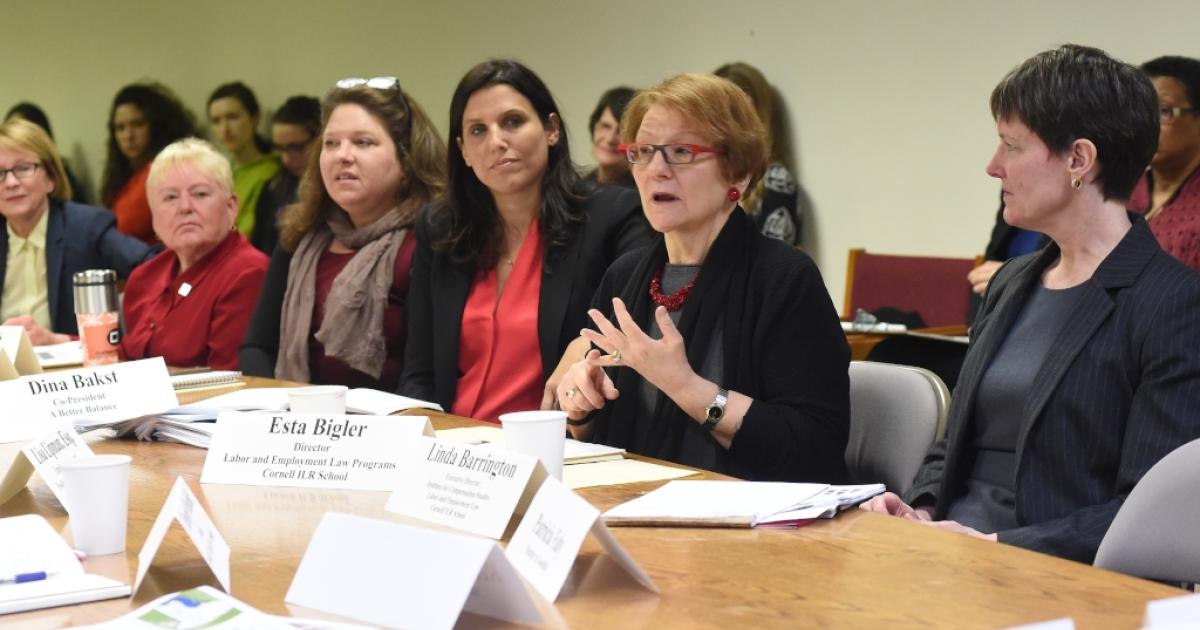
(718, 347)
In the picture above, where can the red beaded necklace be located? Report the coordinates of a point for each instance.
(672, 302)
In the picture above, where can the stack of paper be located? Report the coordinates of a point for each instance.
(574, 451)
(737, 504)
(39, 570)
(59, 355)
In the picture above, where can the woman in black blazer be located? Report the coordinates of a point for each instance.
(1082, 370)
(506, 265)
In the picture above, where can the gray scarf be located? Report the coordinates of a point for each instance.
(352, 330)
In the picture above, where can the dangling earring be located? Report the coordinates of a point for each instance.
(1076, 183)
(734, 194)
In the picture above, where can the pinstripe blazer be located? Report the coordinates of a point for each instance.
(1119, 389)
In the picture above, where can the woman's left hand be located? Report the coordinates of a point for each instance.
(38, 335)
(662, 362)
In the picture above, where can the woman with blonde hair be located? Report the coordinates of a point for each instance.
(332, 308)
(716, 347)
(45, 238)
(191, 303)
(774, 202)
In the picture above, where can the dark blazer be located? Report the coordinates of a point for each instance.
(78, 237)
(1119, 390)
(438, 293)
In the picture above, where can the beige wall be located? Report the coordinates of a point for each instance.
(888, 99)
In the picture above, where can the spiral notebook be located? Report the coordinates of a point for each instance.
(213, 378)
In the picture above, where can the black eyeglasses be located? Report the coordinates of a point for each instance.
(378, 83)
(22, 171)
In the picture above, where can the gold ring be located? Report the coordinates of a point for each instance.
(616, 356)
(570, 393)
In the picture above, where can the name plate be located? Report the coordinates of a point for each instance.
(310, 450)
(547, 541)
(183, 506)
(472, 489)
(89, 397)
(16, 354)
(404, 576)
(18, 461)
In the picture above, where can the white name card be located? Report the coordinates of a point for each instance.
(91, 397)
(17, 356)
(1173, 612)
(310, 450)
(46, 451)
(547, 541)
(404, 576)
(473, 489)
(181, 505)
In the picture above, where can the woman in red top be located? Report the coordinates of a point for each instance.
(145, 117)
(333, 304)
(505, 268)
(192, 302)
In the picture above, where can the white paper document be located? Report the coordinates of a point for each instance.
(58, 355)
(377, 403)
(203, 607)
(710, 503)
(403, 576)
(28, 544)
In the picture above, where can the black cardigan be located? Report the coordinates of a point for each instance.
(783, 346)
(438, 292)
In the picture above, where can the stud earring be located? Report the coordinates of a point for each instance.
(734, 194)
(1077, 183)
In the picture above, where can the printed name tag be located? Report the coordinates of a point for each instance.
(16, 354)
(90, 397)
(473, 489)
(310, 450)
(547, 541)
(46, 451)
(181, 505)
(404, 576)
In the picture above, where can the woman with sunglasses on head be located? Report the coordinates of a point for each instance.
(332, 307)
(145, 117)
(45, 238)
(718, 347)
(506, 266)
(1082, 371)
(233, 112)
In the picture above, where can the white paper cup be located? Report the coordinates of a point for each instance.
(329, 399)
(541, 434)
(97, 491)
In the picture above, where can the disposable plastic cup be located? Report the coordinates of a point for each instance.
(328, 399)
(541, 434)
(97, 493)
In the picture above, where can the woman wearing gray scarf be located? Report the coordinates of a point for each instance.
(332, 305)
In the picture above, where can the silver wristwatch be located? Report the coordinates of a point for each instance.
(716, 409)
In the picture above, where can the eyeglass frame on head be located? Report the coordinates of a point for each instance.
(377, 83)
(629, 148)
(29, 167)
(1171, 114)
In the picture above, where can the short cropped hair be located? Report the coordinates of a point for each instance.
(194, 153)
(302, 111)
(1076, 92)
(33, 114)
(19, 134)
(718, 109)
(613, 100)
(1186, 70)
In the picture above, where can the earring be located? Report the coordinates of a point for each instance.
(734, 194)
(1076, 183)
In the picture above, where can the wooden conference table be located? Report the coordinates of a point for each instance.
(858, 570)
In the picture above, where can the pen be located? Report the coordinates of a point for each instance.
(21, 578)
